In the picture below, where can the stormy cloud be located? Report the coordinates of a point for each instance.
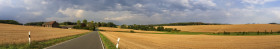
(142, 11)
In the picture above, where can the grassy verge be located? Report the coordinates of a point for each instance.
(39, 44)
(107, 43)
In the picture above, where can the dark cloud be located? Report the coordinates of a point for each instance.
(141, 11)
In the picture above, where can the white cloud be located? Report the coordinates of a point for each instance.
(185, 3)
(118, 6)
(257, 1)
(138, 5)
(44, 2)
(38, 13)
(79, 13)
(205, 2)
(276, 13)
(72, 12)
(228, 4)
(119, 18)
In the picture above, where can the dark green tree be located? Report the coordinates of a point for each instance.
(160, 28)
(84, 21)
(111, 24)
(79, 23)
(124, 26)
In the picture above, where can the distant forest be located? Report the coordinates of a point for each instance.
(10, 22)
(185, 23)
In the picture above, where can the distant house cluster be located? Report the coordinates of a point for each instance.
(55, 24)
(50, 24)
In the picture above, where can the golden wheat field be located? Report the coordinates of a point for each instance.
(229, 28)
(13, 34)
(172, 41)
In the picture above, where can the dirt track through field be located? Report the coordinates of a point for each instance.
(10, 34)
(229, 28)
(172, 41)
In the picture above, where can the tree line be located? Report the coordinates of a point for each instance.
(247, 33)
(10, 22)
(148, 28)
(92, 25)
(35, 23)
(185, 23)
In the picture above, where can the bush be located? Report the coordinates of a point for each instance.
(131, 31)
(76, 27)
(87, 28)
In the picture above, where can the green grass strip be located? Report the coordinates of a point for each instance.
(40, 44)
(107, 43)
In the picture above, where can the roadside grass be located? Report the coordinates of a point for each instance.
(107, 43)
(39, 44)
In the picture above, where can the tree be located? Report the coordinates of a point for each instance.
(90, 24)
(123, 26)
(160, 28)
(98, 24)
(85, 21)
(111, 24)
(103, 24)
(168, 29)
(79, 23)
(67, 23)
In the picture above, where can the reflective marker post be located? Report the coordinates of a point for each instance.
(29, 38)
(118, 43)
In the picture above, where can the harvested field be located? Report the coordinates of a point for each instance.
(126, 30)
(229, 28)
(171, 41)
(13, 34)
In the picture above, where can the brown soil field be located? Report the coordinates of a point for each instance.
(13, 34)
(172, 41)
(229, 28)
(126, 30)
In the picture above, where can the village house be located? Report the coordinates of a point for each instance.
(50, 24)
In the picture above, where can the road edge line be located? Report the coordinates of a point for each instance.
(63, 42)
(100, 40)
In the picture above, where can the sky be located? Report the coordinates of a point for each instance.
(142, 11)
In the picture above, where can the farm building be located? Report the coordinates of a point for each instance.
(50, 24)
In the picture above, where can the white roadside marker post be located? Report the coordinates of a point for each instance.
(118, 43)
(29, 38)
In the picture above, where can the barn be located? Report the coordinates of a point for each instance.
(50, 24)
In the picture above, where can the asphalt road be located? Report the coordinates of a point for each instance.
(88, 41)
